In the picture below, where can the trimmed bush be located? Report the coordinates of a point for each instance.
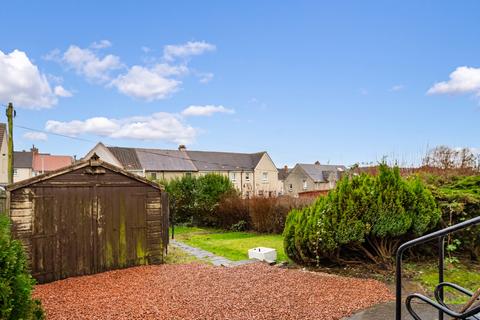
(16, 283)
(196, 199)
(365, 217)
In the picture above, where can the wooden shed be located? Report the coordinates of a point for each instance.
(87, 218)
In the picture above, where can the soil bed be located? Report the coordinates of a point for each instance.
(197, 291)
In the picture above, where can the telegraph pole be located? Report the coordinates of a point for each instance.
(10, 115)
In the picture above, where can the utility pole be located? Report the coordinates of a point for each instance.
(10, 116)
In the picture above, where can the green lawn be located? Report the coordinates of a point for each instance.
(229, 244)
(465, 276)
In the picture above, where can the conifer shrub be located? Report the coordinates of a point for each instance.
(364, 218)
(16, 283)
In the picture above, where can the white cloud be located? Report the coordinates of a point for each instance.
(35, 136)
(150, 81)
(62, 92)
(158, 126)
(146, 49)
(149, 84)
(397, 87)
(22, 83)
(207, 110)
(206, 77)
(462, 80)
(170, 52)
(101, 44)
(87, 63)
(54, 55)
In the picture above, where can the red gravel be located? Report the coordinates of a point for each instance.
(195, 291)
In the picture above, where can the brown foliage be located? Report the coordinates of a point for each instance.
(265, 215)
(269, 214)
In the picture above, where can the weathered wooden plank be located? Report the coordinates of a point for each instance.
(21, 212)
(21, 204)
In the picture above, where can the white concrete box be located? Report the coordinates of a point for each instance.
(263, 254)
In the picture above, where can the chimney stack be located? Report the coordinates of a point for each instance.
(182, 147)
(33, 149)
(317, 163)
(285, 168)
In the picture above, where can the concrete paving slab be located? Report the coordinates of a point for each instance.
(386, 311)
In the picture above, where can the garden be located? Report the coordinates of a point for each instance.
(326, 245)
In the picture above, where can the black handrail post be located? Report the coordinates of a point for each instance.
(441, 260)
(398, 285)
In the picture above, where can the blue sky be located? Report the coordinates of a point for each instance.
(339, 82)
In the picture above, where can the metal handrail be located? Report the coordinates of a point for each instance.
(440, 235)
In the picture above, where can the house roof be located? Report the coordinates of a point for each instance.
(164, 160)
(23, 159)
(127, 157)
(3, 132)
(94, 161)
(48, 162)
(221, 161)
(321, 172)
(283, 173)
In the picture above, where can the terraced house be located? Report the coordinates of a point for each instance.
(314, 178)
(253, 174)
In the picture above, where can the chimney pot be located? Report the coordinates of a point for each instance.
(317, 162)
(182, 147)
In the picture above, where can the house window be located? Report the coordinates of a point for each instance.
(247, 176)
(305, 186)
(264, 176)
(153, 175)
(188, 174)
(290, 187)
(15, 172)
(233, 176)
(260, 193)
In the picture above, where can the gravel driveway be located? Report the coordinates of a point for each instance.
(195, 291)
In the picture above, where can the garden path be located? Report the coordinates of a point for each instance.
(387, 311)
(208, 256)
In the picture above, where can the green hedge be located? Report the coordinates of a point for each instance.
(364, 218)
(16, 284)
(196, 199)
(458, 198)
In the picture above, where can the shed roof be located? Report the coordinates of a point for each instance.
(23, 159)
(320, 172)
(221, 161)
(94, 161)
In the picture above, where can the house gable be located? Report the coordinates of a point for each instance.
(104, 153)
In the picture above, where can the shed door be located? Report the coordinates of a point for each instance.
(122, 227)
(84, 230)
(63, 234)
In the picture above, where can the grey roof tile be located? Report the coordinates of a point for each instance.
(127, 157)
(165, 160)
(22, 159)
(321, 172)
(221, 161)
